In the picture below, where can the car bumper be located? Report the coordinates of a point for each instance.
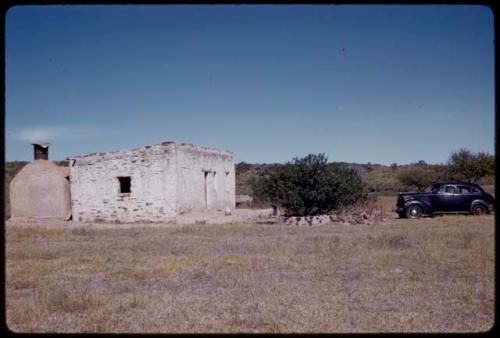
(397, 208)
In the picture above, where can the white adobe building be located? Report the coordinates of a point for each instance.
(152, 183)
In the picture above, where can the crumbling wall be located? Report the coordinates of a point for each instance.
(95, 185)
(165, 180)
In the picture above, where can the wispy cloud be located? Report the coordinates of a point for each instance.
(51, 133)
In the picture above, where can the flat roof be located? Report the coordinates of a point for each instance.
(162, 144)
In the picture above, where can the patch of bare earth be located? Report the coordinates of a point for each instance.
(426, 275)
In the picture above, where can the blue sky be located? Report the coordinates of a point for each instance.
(378, 84)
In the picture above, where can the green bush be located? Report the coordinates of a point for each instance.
(309, 186)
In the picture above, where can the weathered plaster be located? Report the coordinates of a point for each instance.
(166, 179)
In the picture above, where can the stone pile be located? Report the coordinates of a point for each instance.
(356, 217)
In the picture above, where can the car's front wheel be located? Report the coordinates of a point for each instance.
(479, 209)
(413, 211)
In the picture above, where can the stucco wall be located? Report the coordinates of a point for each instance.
(206, 179)
(166, 179)
(40, 190)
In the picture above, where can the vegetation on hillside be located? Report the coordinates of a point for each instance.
(383, 179)
(419, 177)
(463, 165)
(471, 167)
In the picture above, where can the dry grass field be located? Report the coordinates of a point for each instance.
(426, 275)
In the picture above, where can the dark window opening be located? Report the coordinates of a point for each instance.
(206, 190)
(124, 184)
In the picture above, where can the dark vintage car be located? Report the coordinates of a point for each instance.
(451, 197)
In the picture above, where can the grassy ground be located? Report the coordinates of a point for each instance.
(427, 275)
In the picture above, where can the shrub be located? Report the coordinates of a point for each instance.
(257, 184)
(309, 186)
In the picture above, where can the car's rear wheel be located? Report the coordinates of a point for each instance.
(413, 211)
(479, 209)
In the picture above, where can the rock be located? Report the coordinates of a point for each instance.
(377, 215)
(302, 221)
(323, 220)
(309, 220)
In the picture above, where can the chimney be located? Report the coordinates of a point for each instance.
(41, 151)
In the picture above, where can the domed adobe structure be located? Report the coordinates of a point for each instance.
(40, 190)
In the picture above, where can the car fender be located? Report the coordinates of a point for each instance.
(479, 201)
(426, 208)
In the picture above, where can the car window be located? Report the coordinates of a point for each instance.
(441, 189)
(464, 190)
(450, 189)
(476, 190)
